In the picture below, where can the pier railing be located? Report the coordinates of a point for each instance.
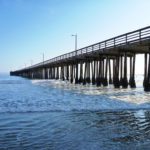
(125, 39)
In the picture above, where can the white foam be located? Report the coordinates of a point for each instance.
(56, 95)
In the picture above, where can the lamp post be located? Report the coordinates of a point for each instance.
(75, 35)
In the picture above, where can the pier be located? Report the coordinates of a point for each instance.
(100, 64)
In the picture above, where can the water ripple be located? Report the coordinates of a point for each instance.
(58, 115)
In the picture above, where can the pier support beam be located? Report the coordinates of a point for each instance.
(105, 82)
(125, 80)
(102, 71)
(52, 72)
(145, 70)
(46, 73)
(67, 72)
(110, 78)
(57, 73)
(76, 75)
(132, 72)
(116, 81)
(93, 72)
(121, 70)
(146, 82)
(62, 73)
(71, 73)
(81, 73)
(88, 73)
(98, 73)
(43, 73)
(85, 70)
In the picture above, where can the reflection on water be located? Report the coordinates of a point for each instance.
(75, 130)
(58, 115)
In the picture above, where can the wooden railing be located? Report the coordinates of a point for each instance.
(128, 38)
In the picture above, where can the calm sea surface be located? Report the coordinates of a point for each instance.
(56, 115)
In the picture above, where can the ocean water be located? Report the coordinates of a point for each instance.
(57, 115)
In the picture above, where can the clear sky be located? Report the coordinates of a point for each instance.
(29, 28)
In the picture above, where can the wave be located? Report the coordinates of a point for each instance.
(78, 111)
(11, 82)
(119, 106)
(58, 96)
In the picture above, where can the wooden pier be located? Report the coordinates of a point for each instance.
(101, 64)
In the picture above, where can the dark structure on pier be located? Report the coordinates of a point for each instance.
(102, 63)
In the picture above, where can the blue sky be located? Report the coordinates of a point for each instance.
(30, 27)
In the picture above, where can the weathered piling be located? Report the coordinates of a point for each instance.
(93, 71)
(98, 82)
(67, 72)
(105, 82)
(146, 82)
(81, 73)
(121, 70)
(88, 80)
(110, 78)
(71, 73)
(132, 72)
(76, 75)
(57, 73)
(124, 79)
(85, 70)
(116, 81)
(102, 71)
(97, 74)
(145, 70)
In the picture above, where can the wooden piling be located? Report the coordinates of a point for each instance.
(85, 70)
(147, 74)
(125, 80)
(67, 72)
(76, 75)
(88, 73)
(99, 74)
(71, 73)
(116, 81)
(110, 78)
(93, 71)
(121, 70)
(81, 72)
(132, 72)
(105, 83)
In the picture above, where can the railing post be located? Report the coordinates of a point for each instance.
(126, 38)
(114, 42)
(105, 44)
(140, 35)
(99, 46)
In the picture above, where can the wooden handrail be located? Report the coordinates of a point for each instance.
(112, 42)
